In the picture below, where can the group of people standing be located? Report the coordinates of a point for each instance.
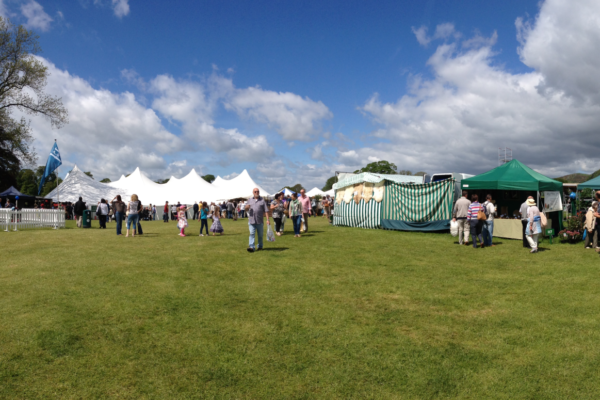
(474, 219)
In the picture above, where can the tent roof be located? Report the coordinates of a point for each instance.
(591, 184)
(239, 187)
(315, 192)
(79, 184)
(376, 178)
(513, 175)
(11, 191)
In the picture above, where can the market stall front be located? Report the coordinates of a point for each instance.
(510, 184)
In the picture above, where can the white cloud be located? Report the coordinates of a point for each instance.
(293, 117)
(108, 133)
(36, 16)
(120, 7)
(193, 104)
(458, 120)
(562, 44)
(442, 31)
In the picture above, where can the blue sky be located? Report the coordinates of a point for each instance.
(286, 89)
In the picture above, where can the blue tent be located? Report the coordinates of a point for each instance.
(12, 192)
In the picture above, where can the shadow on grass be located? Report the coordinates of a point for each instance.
(275, 249)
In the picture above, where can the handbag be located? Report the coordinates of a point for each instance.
(543, 219)
(481, 215)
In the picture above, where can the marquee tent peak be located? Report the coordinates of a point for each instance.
(514, 175)
(80, 184)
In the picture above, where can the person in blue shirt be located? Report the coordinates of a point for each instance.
(203, 218)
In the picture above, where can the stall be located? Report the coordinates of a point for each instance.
(510, 184)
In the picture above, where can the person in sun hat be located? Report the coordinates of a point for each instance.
(534, 225)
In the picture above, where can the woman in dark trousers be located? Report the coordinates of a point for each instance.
(102, 213)
(119, 209)
(140, 210)
(203, 215)
(277, 208)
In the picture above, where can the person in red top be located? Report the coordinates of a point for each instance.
(306, 208)
(166, 212)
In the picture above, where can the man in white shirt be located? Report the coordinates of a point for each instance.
(459, 213)
(488, 225)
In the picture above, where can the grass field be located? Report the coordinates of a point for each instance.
(338, 313)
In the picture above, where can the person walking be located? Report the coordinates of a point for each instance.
(195, 208)
(230, 208)
(132, 214)
(182, 220)
(153, 212)
(257, 209)
(166, 212)
(216, 226)
(78, 210)
(459, 214)
(306, 208)
(174, 211)
(203, 216)
(488, 224)
(295, 210)
(523, 211)
(102, 213)
(313, 205)
(475, 223)
(534, 225)
(590, 226)
(140, 213)
(277, 208)
(119, 208)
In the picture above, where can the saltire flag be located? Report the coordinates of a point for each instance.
(54, 161)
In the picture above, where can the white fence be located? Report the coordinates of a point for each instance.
(31, 218)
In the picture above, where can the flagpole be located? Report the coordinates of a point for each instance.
(57, 190)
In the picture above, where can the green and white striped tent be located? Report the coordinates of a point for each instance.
(405, 206)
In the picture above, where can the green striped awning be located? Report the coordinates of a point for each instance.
(362, 215)
(418, 203)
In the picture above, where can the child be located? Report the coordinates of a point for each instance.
(203, 215)
(182, 220)
(216, 226)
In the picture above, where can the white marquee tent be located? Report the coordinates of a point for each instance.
(187, 190)
(77, 183)
(315, 192)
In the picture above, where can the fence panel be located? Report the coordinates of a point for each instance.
(29, 218)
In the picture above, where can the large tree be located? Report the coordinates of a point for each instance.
(296, 188)
(379, 167)
(329, 183)
(22, 83)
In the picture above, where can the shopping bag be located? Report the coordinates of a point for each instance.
(270, 234)
(454, 228)
(303, 226)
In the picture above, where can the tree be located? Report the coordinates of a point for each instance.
(329, 183)
(160, 180)
(404, 172)
(22, 82)
(105, 180)
(89, 174)
(420, 173)
(27, 182)
(379, 167)
(296, 188)
(208, 178)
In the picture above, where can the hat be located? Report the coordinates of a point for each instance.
(530, 202)
(182, 207)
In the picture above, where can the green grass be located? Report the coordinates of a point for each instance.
(338, 313)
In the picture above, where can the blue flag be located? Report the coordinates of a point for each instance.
(54, 161)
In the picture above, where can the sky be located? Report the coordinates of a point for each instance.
(293, 91)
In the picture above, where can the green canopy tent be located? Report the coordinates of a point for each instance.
(514, 176)
(593, 184)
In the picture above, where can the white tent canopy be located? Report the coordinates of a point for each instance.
(77, 183)
(315, 192)
(187, 190)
